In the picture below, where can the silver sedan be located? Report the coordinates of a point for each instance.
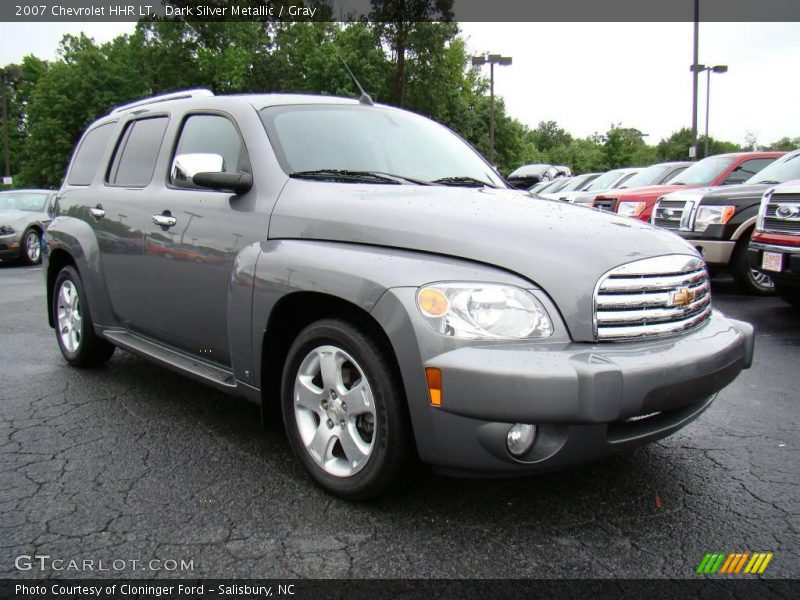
(24, 215)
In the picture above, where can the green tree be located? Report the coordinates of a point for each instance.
(400, 25)
(785, 143)
(549, 135)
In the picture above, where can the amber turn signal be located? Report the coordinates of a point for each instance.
(434, 377)
(433, 303)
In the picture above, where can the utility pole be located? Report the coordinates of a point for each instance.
(695, 73)
(7, 166)
(492, 60)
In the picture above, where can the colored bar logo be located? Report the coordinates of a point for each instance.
(734, 563)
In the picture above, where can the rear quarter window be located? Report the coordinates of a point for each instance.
(89, 153)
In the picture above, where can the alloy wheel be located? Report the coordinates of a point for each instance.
(334, 410)
(33, 247)
(69, 316)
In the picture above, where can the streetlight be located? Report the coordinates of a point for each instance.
(709, 70)
(492, 60)
(697, 69)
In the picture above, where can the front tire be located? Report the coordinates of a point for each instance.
(31, 247)
(344, 409)
(79, 344)
(753, 281)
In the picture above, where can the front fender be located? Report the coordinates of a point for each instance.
(356, 273)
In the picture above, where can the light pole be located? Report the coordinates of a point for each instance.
(709, 70)
(695, 73)
(492, 60)
(7, 76)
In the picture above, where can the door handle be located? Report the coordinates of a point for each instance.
(164, 220)
(97, 212)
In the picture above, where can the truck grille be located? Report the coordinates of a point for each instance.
(668, 213)
(777, 223)
(606, 204)
(654, 297)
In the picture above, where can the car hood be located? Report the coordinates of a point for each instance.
(648, 192)
(21, 218)
(722, 194)
(562, 248)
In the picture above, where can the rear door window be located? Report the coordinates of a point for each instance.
(89, 155)
(137, 152)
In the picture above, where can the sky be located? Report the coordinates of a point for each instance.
(586, 76)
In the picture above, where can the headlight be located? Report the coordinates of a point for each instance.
(762, 209)
(631, 209)
(6, 230)
(712, 215)
(483, 310)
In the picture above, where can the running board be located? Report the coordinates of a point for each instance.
(200, 370)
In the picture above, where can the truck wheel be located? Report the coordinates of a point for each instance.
(789, 294)
(79, 344)
(753, 281)
(32, 247)
(344, 409)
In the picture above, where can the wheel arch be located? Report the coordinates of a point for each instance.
(290, 315)
(57, 260)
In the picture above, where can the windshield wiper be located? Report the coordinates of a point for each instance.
(357, 176)
(463, 181)
(770, 182)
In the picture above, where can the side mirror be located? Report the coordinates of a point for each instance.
(239, 182)
(186, 166)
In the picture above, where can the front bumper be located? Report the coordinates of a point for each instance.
(790, 274)
(715, 250)
(584, 398)
(10, 247)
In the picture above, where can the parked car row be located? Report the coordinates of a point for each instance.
(713, 204)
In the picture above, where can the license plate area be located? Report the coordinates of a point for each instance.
(772, 261)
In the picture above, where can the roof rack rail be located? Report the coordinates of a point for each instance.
(196, 93)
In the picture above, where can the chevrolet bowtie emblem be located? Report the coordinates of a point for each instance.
(682, 297)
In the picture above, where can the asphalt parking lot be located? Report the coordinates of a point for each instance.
(134, 462)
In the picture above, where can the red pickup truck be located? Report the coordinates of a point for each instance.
(722, 169)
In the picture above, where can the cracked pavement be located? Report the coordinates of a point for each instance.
(134, 462)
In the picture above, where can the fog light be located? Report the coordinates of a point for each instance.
(520, 438)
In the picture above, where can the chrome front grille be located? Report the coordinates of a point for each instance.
(668, 213)
(782, 214)
(654, 297)
(605, 204)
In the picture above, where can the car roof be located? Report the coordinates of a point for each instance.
(27, 191)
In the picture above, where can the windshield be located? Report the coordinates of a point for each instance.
(23, 201)
(575, 183)
(360, 139)
(782, 170)
(559, 184)
(604, 181)
(703, 172)
(645, 177)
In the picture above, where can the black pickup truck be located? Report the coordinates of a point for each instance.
(719, 221)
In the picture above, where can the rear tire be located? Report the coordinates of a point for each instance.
(79, 344)
(754, 282)
(789, 294)
(354, 452)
